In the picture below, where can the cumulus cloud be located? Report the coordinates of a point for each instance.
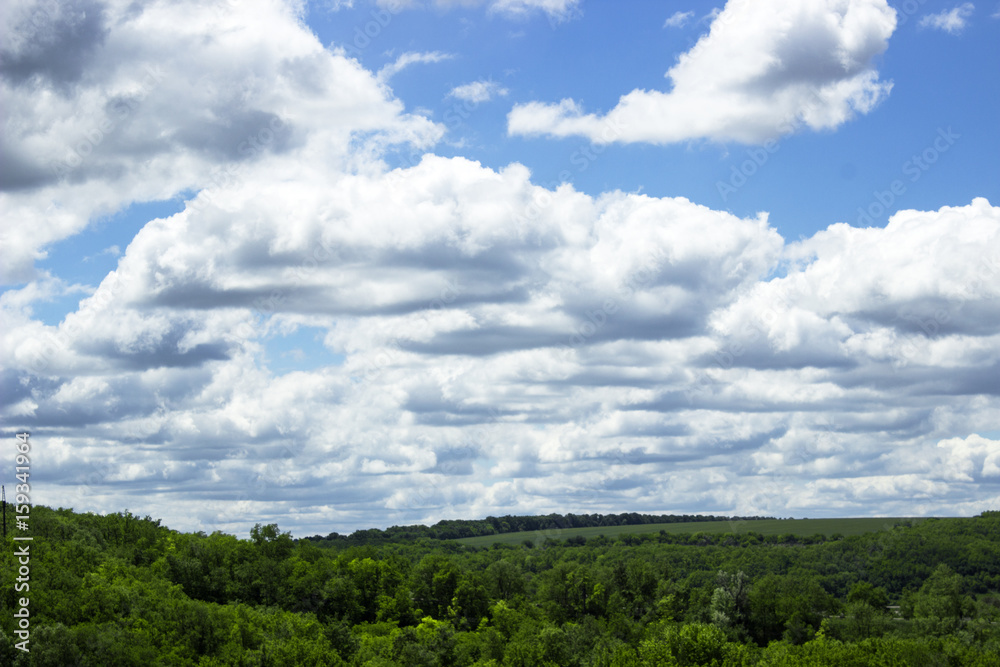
(478, 91)
(494, 346)
(968, 459)
(876, 298)
(952, 21)
(150, 118)
(605, 342)
(762, 71)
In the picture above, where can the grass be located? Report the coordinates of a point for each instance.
(798, 527)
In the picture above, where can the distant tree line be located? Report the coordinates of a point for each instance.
(122, 591)
(457, 528)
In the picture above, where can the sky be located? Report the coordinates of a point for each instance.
(347, 264)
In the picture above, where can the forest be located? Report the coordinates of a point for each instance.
(492, 525)
(120, 590)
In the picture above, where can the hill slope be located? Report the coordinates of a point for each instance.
(796, 527)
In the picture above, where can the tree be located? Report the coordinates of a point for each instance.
(875, 596)
(862, 621)
(504, 579)
(434, 582)
(731, 604)
(471, 602)
(272, 543)
(637, 583)
(941, 600)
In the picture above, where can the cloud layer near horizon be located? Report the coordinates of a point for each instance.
(764, 69)
(505, 347)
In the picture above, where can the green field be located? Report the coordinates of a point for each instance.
(799, 527)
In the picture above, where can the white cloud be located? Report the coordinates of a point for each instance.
(762, 71)
(113, 251)
(155, 116)
(506, 347)
(556, 10)
(952, 21)
(478, 91)
(410, 58)
(963, 459)
(885, 310)
(608, 342)
(678, 19)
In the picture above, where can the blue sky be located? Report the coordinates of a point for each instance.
(347, 264)
(605, 52)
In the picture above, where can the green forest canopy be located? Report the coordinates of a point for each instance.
(124, 590)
